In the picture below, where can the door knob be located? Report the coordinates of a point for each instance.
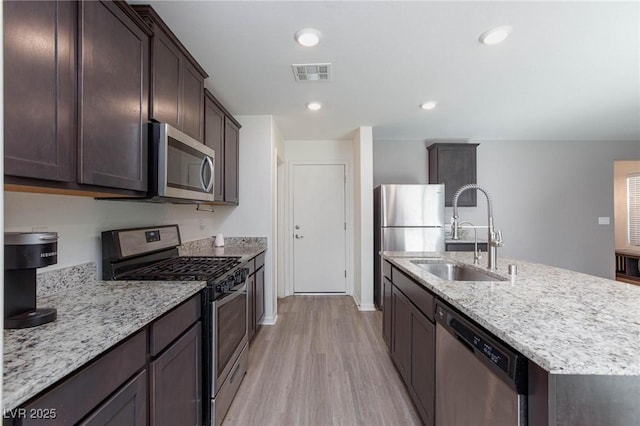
(298, 236)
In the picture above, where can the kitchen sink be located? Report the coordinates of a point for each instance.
(456, 272)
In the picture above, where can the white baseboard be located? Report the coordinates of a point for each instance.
(356, 299)
(269, 320)
(363, 307)
(367, 307)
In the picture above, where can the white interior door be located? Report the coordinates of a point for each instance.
(319, 234)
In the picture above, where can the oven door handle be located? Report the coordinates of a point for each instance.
(236, 293)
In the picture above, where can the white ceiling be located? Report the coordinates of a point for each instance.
(569, 70)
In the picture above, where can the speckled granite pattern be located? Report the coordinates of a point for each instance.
(246, 247)
(564, 321)
(65, 279)
(89, 322)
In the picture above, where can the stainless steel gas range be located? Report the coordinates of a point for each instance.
(151, 253)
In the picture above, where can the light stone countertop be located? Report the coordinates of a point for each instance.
(564, 321)
(90, 321)
(244, 247)
(93, 316)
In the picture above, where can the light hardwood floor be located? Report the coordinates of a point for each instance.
(323, 363)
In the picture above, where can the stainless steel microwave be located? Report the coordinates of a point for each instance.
(181, 168)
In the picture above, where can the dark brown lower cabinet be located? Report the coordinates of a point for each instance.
(259, 296)
(422, 384)
(401, 332)
(412, 340)
(255, 294)
(251, 301)
(154, 377)
(176, 383)
(128, 407)
(386, 311)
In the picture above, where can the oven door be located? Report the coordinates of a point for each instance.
(229, 328)
(185, 166)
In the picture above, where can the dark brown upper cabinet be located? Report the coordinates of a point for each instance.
(177, 80)
(76, 97)
(222, 135)
(39, 90)
(114, 97)
(454, 165)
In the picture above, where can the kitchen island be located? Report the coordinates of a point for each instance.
(580, 333)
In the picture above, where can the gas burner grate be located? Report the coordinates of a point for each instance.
(185, 269)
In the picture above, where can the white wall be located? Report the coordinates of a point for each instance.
(330, 151)
(400, 162)
(363, 219)
(547, 196)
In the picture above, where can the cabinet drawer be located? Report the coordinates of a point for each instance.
(127, 407)
(415, 292)
(82, 392)
(169, 327)
(386, 269)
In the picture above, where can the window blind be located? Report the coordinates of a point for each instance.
(633, 210)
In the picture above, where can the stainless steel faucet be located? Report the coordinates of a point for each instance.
(494, 236)
(476, 252)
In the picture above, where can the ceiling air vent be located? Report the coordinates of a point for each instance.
(304, 73)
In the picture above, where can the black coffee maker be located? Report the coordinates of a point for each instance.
(24, 252)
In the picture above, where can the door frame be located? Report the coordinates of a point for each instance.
(288, 234)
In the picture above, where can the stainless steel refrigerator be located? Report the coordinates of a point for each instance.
(406, 218)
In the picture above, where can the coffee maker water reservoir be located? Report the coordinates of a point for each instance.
(24, 252)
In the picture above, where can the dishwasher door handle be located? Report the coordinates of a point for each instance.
(465, 344)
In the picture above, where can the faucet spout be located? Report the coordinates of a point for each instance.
(494, 237)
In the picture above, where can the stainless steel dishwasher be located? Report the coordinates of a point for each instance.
(479, 381)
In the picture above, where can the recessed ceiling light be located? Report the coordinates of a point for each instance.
(314, 106)
(428, 105)
(307, 37)
(495, 35)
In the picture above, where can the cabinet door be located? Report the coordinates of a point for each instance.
(39, 89)
(128, 407)
(192, 101)
(259, 297)
(454, 165)
(113, 75)
(422, 384)
(166, 76)
(176, 382)
(231, 157)
(401, 332)
(386, 311)
(251, 306)
(214, 139)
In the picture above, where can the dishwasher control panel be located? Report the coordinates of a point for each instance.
(492, 353)
(484, 346)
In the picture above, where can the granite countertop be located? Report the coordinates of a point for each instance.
(244, 247)
(564, 321)
(94, 316)
(90, 321)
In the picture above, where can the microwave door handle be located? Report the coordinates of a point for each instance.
(210, 186)
(204, 162)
